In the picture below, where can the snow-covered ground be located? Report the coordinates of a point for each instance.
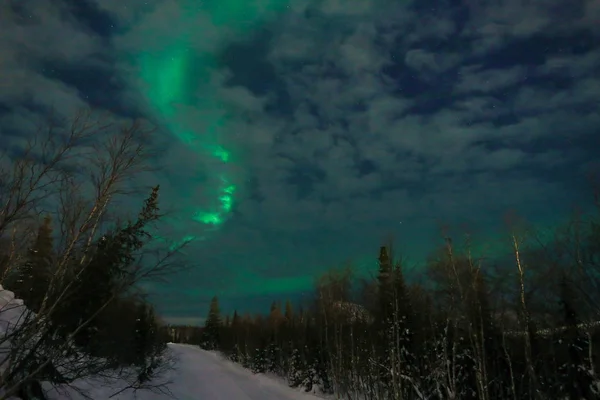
(198, 375)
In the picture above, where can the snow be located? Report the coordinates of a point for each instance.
(12, 314)
(198, 374)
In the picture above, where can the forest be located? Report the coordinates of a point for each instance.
(77, 262)
(463, 325)
(523, 326)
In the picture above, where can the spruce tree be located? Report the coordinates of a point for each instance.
(108, 271)
(296, 370)
(212, 326)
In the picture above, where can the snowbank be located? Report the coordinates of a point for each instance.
(197, 375)
(12, 314)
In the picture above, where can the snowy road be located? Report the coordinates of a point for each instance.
(201, 375)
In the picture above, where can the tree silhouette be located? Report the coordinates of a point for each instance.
(212, 326)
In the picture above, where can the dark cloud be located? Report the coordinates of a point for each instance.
(352, 120)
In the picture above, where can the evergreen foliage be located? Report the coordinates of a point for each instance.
(212, 327)
(468, 333)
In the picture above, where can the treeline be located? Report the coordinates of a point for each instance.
(100, 318)
(183, 333)
(518, 328)
(78, 270)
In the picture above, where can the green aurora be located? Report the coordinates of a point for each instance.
(174, 73)
(172, 76)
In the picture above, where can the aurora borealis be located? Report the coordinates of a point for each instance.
(166, 76)
(170, 72)
(299, 134)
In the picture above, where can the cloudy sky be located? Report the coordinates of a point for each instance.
(300, 134)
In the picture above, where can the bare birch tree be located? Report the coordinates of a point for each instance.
(80, 171)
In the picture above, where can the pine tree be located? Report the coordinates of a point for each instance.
(259, 358)
(296, 371)
(109, 270)
(212, 326)
(272, 355)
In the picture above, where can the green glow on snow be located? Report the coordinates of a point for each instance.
(174, 74)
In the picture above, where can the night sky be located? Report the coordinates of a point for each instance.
(301, 134)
